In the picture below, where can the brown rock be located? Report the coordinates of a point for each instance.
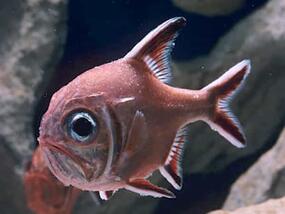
(276, 206)
(264, 180)
(209, 7)
(12, 190)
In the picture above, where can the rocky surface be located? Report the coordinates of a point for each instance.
(209, 7)
(264, 180)
(259, 106)
(12, 191)
(276, 206)
(32, 37)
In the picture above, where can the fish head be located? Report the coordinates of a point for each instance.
(76, 137)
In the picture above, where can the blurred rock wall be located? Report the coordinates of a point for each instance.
(32, 36)
(209, 7)
(263, 181)
(276, 206)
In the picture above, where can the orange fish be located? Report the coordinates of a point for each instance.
(115, 124)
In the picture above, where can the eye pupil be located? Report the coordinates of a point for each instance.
(82, 127)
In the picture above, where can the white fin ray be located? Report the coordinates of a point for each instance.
(95, 198)
(155, 48)
(105, 195)
(172, 170)
(226, 87)
(145, 188)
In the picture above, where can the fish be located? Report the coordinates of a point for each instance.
(114, 125)
(43, 192)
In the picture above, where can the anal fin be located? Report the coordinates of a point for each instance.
(172, 170)
(137, 133)
(144, 187)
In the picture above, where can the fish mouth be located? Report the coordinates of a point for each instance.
(67, 166)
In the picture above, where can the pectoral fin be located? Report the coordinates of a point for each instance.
(137, 134)
(145, 188)
(105, 195)
(172, 169)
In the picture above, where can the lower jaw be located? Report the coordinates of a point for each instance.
(57, 169)
(65, 176)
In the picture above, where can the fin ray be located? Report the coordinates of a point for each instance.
(225, 88)
(137, 131)
(145, 188)
(95, 198)
(154, 49)
(172, 170)
(106, 195)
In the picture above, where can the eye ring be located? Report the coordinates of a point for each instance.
(81, 126)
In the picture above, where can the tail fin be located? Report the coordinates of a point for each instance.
(223, 90)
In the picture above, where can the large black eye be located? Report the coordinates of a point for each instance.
(81, 126)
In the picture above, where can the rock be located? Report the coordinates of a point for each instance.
(209, 7)
(12, 191)
(32, 37)
(276, 206)
(264, 180)
(259, 106)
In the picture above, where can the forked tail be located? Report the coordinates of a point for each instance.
(222, 91)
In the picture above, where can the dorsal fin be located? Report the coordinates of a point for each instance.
(154, 49)
(172, 170)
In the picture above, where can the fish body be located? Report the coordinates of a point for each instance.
(115, 124)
